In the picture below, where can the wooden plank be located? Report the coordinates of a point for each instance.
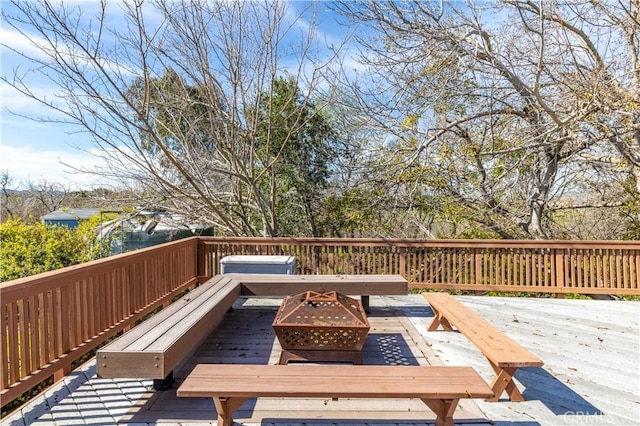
(286, 285)
(193, 337)
(138, 335)
(548, 261)
(611, 256)
(637, 269)
(48, 326)
(625, 270)
(531, 269)
(619, 283)
(101, 295)
(632, 275)
(276, 278)
(14, 343)
(325, 381)
(43, 336)
(599, 271)
(580, 269)
(34, 333)
(502, 266)
(84, 314)
(183, 321)
(76, 314)
(4, 347)
(166, 326)
(23, 337)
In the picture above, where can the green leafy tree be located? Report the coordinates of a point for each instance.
(179, 113)
(295, 146)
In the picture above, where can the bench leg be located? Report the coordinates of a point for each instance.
(439, 320)
(504, 382)
(444, 409)
(226, 407)
(163, 384)
(365, 304)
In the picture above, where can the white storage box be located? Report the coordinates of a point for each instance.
(245, 264)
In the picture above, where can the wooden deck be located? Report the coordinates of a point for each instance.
(591, 351)
(246, 337)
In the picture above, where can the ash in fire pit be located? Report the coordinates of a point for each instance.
(321, 321)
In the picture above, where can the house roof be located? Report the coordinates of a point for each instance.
(71, 214)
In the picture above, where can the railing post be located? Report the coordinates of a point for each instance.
(61, 373)
(559, 273)
(200, 258)
(316, 261)
(477, 255)
(403, 262)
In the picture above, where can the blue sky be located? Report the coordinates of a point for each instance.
(37, 151)
(29, 149)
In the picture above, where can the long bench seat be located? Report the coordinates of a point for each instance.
(155, 347)
(287, 285)
(440, 388)
(504, 354)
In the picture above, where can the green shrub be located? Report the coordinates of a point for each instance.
(31, 248)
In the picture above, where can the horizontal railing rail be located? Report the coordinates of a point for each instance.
(50, 320)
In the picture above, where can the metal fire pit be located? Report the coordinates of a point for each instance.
(321, 326)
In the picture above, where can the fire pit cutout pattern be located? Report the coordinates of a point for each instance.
(313, 321)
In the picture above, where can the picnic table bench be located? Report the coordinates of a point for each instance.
(503, 353)
(157, 346)
(440, 388)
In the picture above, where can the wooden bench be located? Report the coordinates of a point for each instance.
(154, 348)
(440, 388)
(504, 354)
(287, 285)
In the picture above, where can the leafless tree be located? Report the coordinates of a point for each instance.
(168, 91)
(7, 195)
(30, 200)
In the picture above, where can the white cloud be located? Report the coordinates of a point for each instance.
(22, 43)
(25, 52)
(16, 102)
(28, 164)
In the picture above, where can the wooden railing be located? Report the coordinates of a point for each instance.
(586, 267)
(50, 320)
